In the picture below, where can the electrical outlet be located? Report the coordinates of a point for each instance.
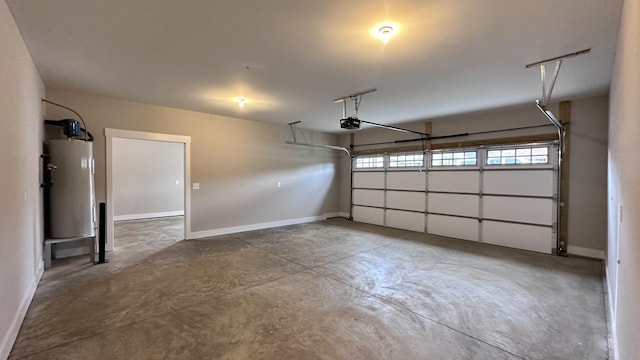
(279, 184)
(196, 186)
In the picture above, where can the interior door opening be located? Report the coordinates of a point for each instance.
(165, 203)
(148, 192)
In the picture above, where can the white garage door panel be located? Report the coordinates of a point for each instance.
(374, 180)
(405, 220)
(454, 181)
(368, 197)
(514, 182)
(405, 200)
(454, 204)
(529, 210)
(527, 237)
(413, 180)
(456, 227)
(368, 215)
(515, 201)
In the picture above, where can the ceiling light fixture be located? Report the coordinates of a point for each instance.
(384, 32)
(241, 101)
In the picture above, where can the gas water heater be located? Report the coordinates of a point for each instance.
(71, 195)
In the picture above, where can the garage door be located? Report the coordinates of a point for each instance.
(499, 195)
(390, 190)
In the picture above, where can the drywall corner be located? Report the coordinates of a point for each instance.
(16, 323)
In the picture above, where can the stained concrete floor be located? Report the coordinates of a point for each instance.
(327, 290)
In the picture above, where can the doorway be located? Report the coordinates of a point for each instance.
(116, 137)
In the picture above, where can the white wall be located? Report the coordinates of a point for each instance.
(238, 163)
(148, 178)
(21, 136)
(587, 179)
(624, 186)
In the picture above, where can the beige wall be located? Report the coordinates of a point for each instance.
(237, 162)
(587, 195)
(148, 178)
(20, 196)
(624, 187)
(588, 173)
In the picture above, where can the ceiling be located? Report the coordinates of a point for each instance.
(292, 58)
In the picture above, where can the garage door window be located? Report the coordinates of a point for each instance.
(457, 158)
(406, 160)
(519, 156)
(369, 162)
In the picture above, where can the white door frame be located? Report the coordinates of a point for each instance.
(110, 134)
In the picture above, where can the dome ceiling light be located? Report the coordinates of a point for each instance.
(241, 101)
(384, 32)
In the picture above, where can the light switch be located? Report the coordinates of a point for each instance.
(279, 184)
(177, 182)
(196, 186)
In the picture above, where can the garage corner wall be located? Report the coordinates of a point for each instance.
(237, 163)
(21, 225)
(587, 216)
(623, 261)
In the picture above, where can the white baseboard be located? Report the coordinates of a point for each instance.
(39, 273)
(586, 252)
(148, 215)
(16, 322)
(333, 215)
(611, 324)
(243, 228)
(343, 214)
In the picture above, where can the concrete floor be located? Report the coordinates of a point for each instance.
(328, 290)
